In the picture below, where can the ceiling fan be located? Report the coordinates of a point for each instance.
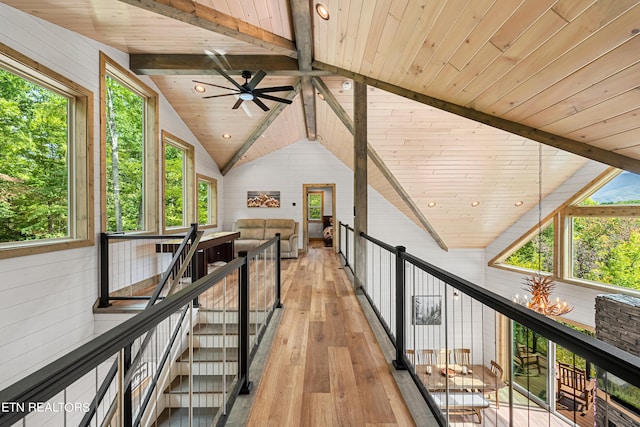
(247, 91)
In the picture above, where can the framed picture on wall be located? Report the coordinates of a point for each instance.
(427, 310)
(263, 199)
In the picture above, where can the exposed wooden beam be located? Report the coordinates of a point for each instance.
(260, 129)
(182, 64)
(301, 16)
(378, 162)
(360, 186)
(203, 16)
(569, 145)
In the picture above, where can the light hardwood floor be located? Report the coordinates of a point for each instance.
(325, 367)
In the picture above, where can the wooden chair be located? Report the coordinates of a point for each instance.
(462, 356)
(411, 355)
(526, 360)
(494, 386)
(573, 384)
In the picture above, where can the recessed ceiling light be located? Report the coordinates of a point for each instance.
(431, 204)
(475, 203)
(519, 203)
(200, 89)
(322, 11)
(321, 96)
(226, 135)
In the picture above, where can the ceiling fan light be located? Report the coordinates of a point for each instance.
(322, 11)
(245, 96)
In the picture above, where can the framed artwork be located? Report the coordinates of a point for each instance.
(263, 199)
(427, 310)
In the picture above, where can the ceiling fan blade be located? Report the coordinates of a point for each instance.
(215, 85)
(228, 77)
(273, 98)
(218, 96)
(256, 79)
(273, 89)
(237, 104)
(260, 104)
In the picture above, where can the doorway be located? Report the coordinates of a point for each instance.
(319, 214)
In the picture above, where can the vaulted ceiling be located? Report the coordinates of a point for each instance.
(460, 91)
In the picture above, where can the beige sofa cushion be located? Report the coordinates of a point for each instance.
(286, 227)
(250, 228)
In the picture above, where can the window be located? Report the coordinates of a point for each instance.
(604, 240)
(207, 201)
(129, 145)
(178, 188)
(315, 205)
(594, 238)
(537, 253)
(45, 173)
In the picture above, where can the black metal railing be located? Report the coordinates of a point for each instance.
(346, 244)
(461, 344)
(237, 299)
(129, 261)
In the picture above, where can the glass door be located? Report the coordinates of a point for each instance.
(530, 364)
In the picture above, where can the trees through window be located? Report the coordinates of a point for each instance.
(596, 235)
(129, 141)
(44, 141)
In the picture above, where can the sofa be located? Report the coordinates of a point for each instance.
(254, 232)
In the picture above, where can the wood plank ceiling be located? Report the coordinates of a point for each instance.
(460, 90)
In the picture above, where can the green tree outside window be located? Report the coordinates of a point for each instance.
(124, 158)
(34, 165)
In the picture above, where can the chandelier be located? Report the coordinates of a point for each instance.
(540, 288)
(538, 285)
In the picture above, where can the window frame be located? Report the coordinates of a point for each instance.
(563, 247)
(150, 144)
(212, 201)
(188, 179)
(310, 193)
(79, 149)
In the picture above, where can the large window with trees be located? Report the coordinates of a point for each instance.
(45, 173)
(593, 239)
(207, 201)
(178, 183)
(129, 145)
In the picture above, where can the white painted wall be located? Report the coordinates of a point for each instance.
(286, 170)
(508, 283)
(46, 300)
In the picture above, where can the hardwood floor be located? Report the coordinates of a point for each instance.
(325, 367)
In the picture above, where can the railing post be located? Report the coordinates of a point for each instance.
(399, 363)
(127, 409)
(278, 272)
(346, 246)
(243, 336)
(194, 261)
(104, 271)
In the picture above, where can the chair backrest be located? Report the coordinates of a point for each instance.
(462, 356)
(411, 355)
(496, 369)
(522, 350)
(572, 377)
(425, 357)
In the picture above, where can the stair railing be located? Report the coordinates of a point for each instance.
(63, 384)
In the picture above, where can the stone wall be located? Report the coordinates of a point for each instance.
(617, 323)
